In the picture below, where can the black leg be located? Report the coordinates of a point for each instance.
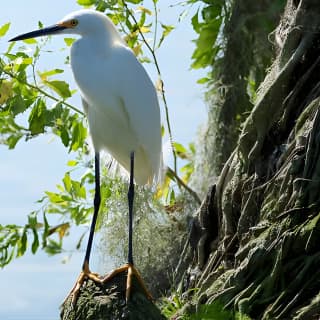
(130, 202)
(97, 200)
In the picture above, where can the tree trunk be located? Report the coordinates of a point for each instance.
(255, 237)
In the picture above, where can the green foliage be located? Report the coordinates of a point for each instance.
(178, 307)
(216, 311)
(170, 306)
(15, 240)
(19, 95)
(206, 44)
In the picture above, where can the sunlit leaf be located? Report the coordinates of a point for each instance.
(72, 163)
(134, 1)
(4, 29)
(86, 2)
(165, 32)
(203, 80)
(30, 41)
(180, 150)
(145, 10)
(54, 197)
(44, 75)
(5, 91)
(67, 182)
(69, 41)
(63, 229)
(60, 87)
(144, 29)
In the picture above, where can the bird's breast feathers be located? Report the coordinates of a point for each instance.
(121, 96)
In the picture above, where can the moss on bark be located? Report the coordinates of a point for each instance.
(262, 258)
(107, 301)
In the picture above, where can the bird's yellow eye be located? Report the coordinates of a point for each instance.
(73, 22)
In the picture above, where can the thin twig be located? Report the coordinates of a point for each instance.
(155, 25)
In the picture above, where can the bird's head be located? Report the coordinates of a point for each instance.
(82, 22)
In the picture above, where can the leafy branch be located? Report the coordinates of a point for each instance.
(43, 92)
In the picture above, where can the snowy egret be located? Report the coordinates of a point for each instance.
(122, 107)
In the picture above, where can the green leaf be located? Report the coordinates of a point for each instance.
(64, 135)
(165, 32)
(69, 41)
(21, 63)
(195, 22)
(4, 29)
(37, 118)
(17, 105)
(67, 182)
(72, 163)
(45, 74)
(22, 245)
(35, 243)
(79, 134)
(134, 1)
(172, 197)
(54, 197)
(30, 41)
(60, 87)
(86, 2)
(179, 148)
(53, 247)
(32, 220)
(203, 80)
(13, 140)
(145, 10)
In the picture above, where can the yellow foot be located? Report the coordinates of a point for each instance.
(85, 274)
(132, 271)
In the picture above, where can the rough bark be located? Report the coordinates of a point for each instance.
(255, 237)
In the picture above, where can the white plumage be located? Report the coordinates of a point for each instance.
(119, 98)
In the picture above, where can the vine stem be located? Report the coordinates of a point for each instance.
(181, 183)
(152, 51)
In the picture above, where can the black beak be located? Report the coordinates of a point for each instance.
(38, 33)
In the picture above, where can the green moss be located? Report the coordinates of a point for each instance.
(107, 301)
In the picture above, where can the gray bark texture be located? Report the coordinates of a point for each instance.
(255, 239)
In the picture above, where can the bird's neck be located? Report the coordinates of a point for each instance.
(94, 44)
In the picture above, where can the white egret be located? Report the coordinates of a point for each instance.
(122, 107)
